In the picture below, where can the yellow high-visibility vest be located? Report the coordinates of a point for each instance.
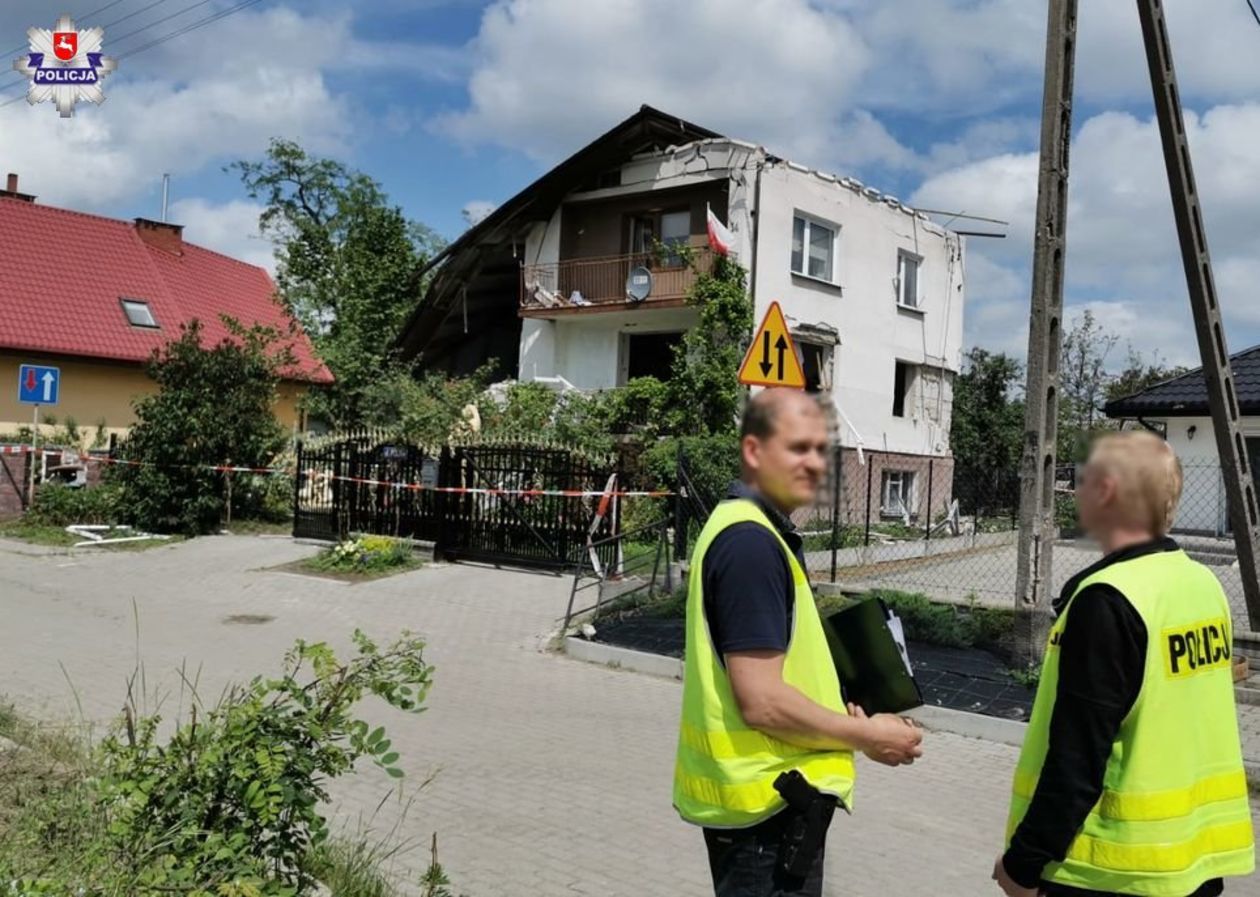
(1174, 810)
(725, 771)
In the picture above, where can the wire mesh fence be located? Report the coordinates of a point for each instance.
(923, 524)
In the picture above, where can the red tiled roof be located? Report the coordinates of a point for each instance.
(62, 274)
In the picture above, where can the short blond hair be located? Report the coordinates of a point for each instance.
(1148, 474)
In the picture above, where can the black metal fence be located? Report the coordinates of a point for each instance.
(474, 502)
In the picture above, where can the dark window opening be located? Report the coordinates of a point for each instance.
(651, 354)
(901, 386)
(813, 362)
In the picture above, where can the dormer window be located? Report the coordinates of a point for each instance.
(138, 313)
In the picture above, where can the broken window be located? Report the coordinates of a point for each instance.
(903, 379)
(897, 494)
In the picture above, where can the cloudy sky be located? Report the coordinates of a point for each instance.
(454, 105)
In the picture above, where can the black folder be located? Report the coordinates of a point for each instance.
(874, 673)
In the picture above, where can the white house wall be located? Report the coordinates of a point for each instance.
(1203, 492)
(586, 349)
(874, 332)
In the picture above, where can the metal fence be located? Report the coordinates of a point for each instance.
(371, 483)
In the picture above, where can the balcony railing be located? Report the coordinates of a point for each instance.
(589, 282)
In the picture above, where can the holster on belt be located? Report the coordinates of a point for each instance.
(806, 831)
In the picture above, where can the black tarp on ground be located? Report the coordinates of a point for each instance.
(967, 679)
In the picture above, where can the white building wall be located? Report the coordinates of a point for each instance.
(1203, 491)
(874, 331)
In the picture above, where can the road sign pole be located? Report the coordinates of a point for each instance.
(30, 473)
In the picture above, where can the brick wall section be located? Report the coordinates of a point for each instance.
(855, 476)
(12, 484)
(13, 479)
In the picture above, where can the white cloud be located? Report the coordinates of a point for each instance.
(1123, 258)
(230, 228)
(476, 210)
(212, 96)
(551, 74)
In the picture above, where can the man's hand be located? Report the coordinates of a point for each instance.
(1008, 885)
(890, 739)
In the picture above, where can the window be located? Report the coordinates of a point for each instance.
(903, 379)
(908, 279)
(897, 494)
(675, 232)
(814, 249)
(138, 313)
(650, 355)
(816, 365)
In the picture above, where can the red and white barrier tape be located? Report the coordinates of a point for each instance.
(413, 487)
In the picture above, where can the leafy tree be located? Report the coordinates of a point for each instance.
(705, 395)
(348, 266)
(988, 420)
(1140, 374)
(1083, 381)
(213, 406)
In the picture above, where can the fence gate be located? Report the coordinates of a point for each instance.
(547, 531)
(360, 485)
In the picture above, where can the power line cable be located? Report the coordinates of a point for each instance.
(87, 15)
(1256, 15)
(192, 26)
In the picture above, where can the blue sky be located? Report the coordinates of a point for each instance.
(457, 102)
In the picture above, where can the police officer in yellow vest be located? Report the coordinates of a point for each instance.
(761, 699)
(1131, 778)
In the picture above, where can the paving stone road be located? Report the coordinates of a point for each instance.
(550, 777)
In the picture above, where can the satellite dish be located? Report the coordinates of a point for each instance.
(638, 284)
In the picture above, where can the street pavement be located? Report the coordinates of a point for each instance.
(545, 776)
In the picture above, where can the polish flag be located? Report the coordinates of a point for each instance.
(720, 237)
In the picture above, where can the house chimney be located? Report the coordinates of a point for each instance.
(161, 235)
(11, 189)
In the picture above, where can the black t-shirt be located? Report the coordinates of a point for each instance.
(748, 584)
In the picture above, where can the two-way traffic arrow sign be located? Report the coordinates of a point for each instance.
(771, 359)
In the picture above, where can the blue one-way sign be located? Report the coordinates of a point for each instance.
(38, 385)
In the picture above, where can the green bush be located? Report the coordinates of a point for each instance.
(213, 406)
(232, 804)
(367, 554)
(946, 624)
(712, 461)
(827, 538)
(1065, 516)
(59, 505)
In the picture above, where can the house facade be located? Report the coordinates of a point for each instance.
(872, 290)
(1178, 410)
(96, 297)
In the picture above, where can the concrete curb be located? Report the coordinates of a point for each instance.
(623, 658)
(970, 725)
(934, 719)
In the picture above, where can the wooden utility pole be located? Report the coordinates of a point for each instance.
(1222, 399)
(1045, 340)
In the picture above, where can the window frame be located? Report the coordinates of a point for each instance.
(810, 222)
(125, 301)
(908, 483)
(826, 362)
(904, 256)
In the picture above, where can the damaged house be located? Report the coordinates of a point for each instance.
(561, 284)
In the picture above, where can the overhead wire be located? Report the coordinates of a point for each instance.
(192, 26)
(87, 15)
(1254, 13)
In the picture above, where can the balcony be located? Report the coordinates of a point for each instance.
(578, 286)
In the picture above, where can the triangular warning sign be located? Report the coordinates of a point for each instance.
(771, 359)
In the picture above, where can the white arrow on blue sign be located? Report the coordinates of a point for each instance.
(38, 385)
